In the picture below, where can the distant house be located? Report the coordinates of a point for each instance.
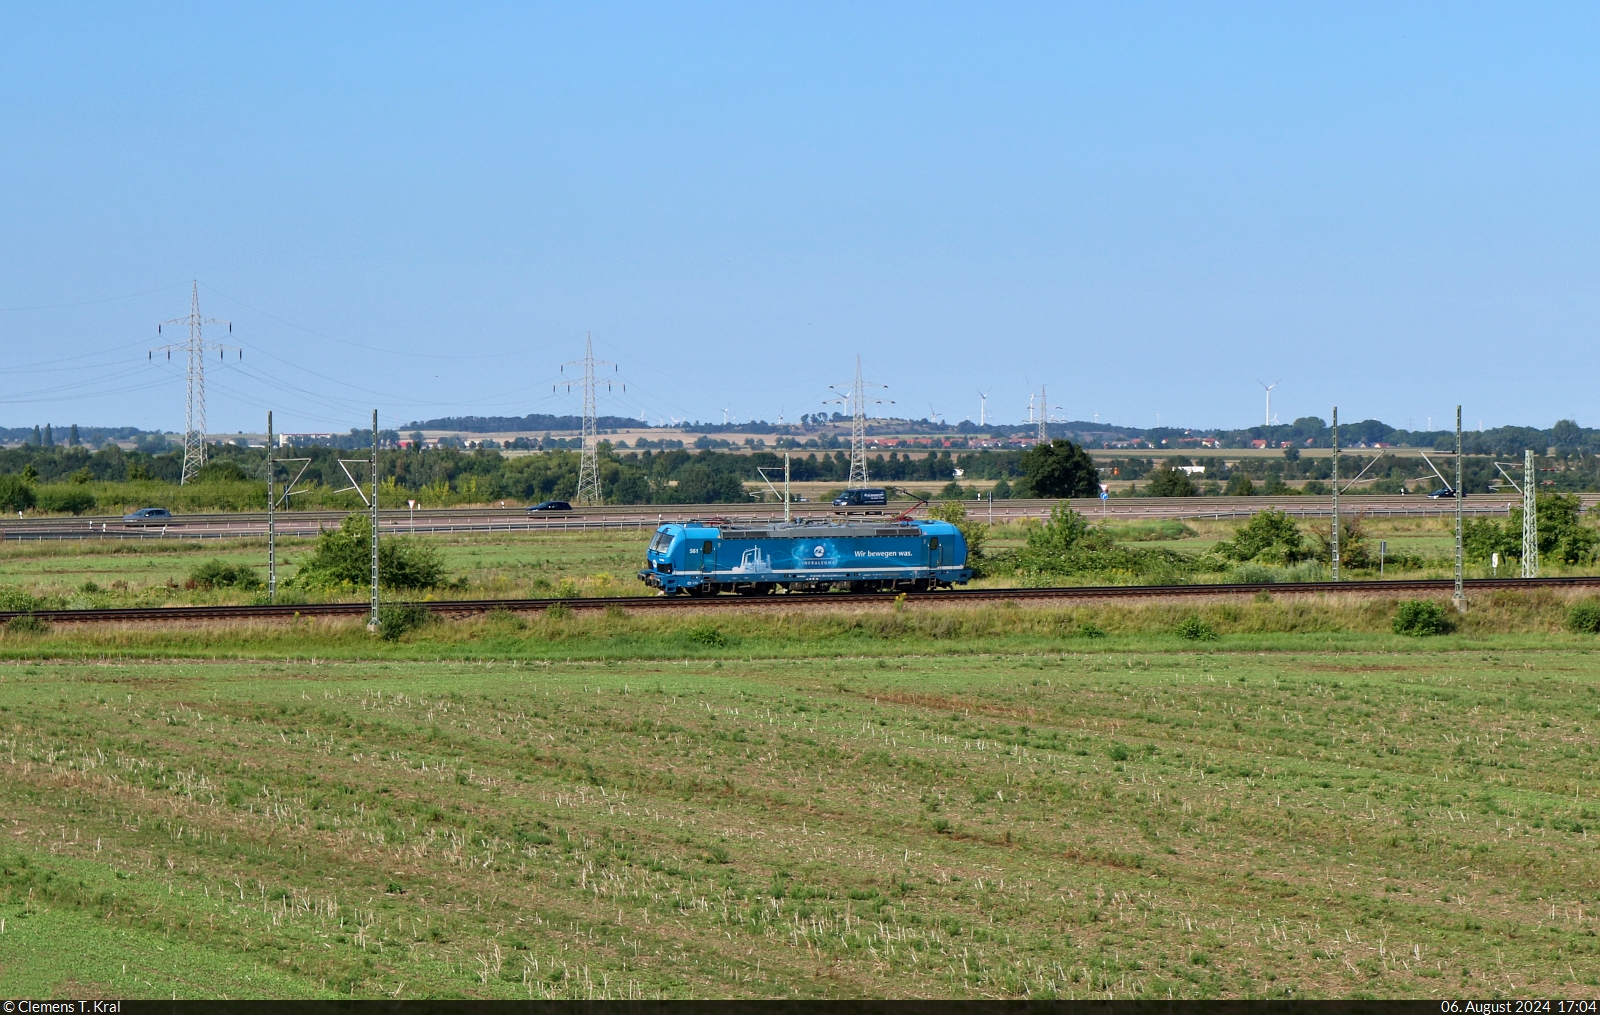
(286, 440)
(1258, 443)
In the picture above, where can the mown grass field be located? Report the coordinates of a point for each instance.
(932, 803)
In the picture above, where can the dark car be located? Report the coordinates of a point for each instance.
(550, 505)
(1442, 493)
(862, 497)
(148, 515)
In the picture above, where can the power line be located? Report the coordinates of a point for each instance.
(387, 351)
(89, 303)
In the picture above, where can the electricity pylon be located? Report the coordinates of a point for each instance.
(857, 401)
(589, 460)
(194, 417)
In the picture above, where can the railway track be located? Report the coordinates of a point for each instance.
(477, 607)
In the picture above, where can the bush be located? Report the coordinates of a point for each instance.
(1584, 617)
(395, 619)
(343, 557)
(1421, 617)
(1089, 629)
(13, 598)
(1195, 629)
(1066, 530)
(15, 495)
(708, 635)
(1270, 535)
(1254, 574)
(1117, 564)
(217, 574)
(70, 499)
(27, 623)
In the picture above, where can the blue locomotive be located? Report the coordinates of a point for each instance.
(702, 558)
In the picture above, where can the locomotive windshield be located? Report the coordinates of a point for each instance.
(661, 542)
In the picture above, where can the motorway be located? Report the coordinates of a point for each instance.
(240, 525)
(477, 607)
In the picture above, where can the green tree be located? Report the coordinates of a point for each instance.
(1239, 485)
(1481, 538)
(1169, 482)
(700, 484)
(1563, 538)
(221, 471)
(955, 512)
(1566, 435)
(15, 494)
(1061, 469)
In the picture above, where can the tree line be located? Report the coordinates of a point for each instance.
(446, 475)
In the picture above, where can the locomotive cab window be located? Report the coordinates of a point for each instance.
(933, 543)
(706, 548)
(661, 542)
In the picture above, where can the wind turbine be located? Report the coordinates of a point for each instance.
(983, 407)
(726, 419)
(933, 413)
(1269, 388)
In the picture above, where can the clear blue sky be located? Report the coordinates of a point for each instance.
(1145, 207)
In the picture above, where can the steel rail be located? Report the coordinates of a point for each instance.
(477, 607)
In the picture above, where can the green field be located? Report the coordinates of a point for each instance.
(92, 573)
(927, 803)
